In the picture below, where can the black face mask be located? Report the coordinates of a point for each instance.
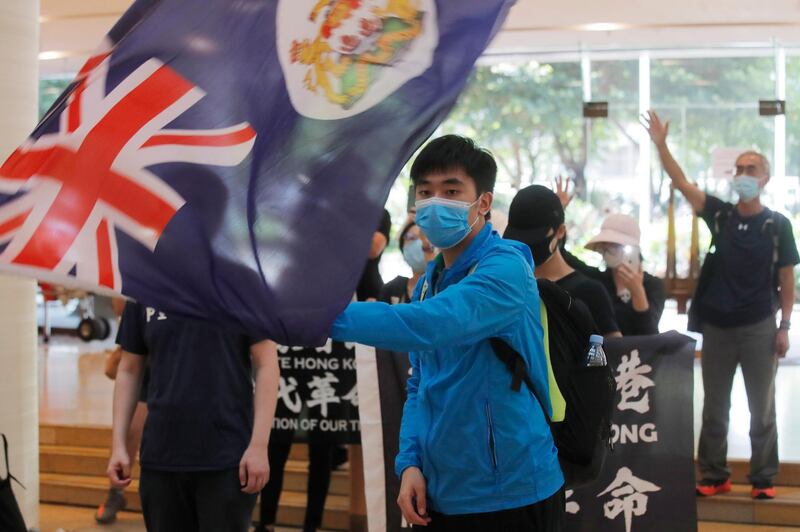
(541, 251)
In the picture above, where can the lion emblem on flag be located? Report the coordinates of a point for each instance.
(352, 54)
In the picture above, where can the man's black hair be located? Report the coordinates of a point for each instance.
(452, 152)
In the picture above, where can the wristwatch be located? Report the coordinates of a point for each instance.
(785, 325)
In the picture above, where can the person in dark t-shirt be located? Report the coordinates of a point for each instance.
(369, 287)
(746, 277)
(536, 218)
(204, 448)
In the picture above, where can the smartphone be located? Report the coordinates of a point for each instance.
(632, 257)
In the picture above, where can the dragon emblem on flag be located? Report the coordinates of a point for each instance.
(355, 52)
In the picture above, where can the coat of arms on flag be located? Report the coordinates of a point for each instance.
(342, 57)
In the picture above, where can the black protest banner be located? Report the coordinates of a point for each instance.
(647, 482)
(318, 397)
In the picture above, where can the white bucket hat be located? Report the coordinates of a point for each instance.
(617, 229)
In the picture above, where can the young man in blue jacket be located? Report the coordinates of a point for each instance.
(474, 454)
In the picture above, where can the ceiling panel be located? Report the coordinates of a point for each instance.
(71, 29)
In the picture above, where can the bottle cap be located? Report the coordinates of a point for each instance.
(596, 339)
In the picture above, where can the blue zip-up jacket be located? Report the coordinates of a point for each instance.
(481, 446)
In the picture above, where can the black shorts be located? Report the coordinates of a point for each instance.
(210, 501)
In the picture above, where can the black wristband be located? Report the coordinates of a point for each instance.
(785, 325)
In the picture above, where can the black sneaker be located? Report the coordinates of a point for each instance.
(115, 503)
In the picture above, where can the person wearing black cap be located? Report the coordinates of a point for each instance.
(536, 218)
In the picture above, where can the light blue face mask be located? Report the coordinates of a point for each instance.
(415, 256)
(445, 222)
(747, 187)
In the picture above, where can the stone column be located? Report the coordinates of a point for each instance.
(19, 415)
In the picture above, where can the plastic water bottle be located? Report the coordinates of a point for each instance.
(596, 356)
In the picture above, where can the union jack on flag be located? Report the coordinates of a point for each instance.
(230, 163)
(90, 178)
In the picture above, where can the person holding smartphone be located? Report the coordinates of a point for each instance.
(637, 297)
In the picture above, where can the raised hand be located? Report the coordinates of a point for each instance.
(562, 190)
(658, 130)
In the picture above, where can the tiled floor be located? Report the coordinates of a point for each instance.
(72, 387)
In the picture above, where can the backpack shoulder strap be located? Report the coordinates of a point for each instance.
(720, 221)
(773, 223)
(557, 401)
(513, 361)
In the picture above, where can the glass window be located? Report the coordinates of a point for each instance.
(711, 102)
(49, 91)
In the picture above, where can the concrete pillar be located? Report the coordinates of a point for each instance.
(19, 415)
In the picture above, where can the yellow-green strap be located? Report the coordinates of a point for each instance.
(557, 401)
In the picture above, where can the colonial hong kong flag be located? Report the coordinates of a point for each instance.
(229, 159)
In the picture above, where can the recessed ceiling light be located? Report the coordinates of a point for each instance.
(49, 55)
(603, 26)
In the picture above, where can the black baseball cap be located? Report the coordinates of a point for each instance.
(535, 210)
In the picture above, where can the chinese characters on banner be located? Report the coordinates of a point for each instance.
(647, 483)
(317, 397)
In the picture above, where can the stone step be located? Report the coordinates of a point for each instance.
(82, 490)
(739, 507)
(711, 526)
(292, 511)
(92, 461)
(295, 478)
(75, 435)
(788, 474)
(95, 436)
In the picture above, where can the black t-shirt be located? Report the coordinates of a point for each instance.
(593, 296)
(630, 321)
(371, 281)
(741, 290)
(395, 291)
(200, 394)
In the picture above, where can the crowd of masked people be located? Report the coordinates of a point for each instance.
(211, 393)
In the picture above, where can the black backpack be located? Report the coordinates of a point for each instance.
(583, 398)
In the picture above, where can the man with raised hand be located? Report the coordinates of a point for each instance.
(747, 276)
